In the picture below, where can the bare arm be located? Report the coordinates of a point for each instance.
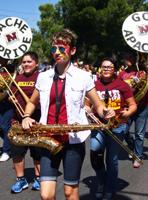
(132, 107)
(31, 105)
(27, 122)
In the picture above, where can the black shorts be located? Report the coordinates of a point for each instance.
(20, 151)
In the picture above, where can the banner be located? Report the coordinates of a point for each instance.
(135, 31)
(15, 37)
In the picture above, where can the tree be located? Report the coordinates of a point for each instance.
(98, 24)
(48, 24)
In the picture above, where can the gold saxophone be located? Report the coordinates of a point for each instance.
(5, 85)
(42, 135)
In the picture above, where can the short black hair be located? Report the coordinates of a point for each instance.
(112, 60)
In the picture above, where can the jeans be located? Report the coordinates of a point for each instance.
(101, 141)
(6, 114)
(139, 118)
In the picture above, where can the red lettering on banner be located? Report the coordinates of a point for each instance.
(11, 37)
(143, 29)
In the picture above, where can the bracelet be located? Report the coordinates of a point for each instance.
(25, 116)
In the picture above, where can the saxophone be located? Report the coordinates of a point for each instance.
(42, 135)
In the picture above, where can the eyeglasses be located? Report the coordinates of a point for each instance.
(107, 67)
(54, 49)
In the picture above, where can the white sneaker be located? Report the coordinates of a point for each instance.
(130, 156)
(4, 157)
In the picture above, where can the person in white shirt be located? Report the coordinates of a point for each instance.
(61, 91)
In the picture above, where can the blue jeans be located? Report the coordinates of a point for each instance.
(6, 115)
(101, 141)
(139, 118)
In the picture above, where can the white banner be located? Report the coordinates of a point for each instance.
(15, 37)
(135, 31)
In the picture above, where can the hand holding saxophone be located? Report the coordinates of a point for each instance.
(27, 122)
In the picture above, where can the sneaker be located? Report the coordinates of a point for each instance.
(36, 185)
(4, 157)
(136, 164)
(20, 185)
(130, 156)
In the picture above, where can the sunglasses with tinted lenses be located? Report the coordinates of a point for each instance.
(54, 49)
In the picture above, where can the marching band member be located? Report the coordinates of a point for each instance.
(61, 91)
(115, 93)
(133, 76)
(26, 82)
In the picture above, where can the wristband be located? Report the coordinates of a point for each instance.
(25, 116)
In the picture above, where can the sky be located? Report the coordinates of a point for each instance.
(24, 9)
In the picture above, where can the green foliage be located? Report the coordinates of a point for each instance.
(49, 23)
(98, 24)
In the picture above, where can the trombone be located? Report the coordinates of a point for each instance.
(11, 94)
(107, 131)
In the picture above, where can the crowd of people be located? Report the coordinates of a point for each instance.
(57, 95)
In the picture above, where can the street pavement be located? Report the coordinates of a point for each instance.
(132, 183)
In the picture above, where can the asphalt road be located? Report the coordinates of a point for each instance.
(132, 183)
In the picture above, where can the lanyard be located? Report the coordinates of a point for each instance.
(58, 96)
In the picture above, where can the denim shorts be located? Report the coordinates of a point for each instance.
(72, 157)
